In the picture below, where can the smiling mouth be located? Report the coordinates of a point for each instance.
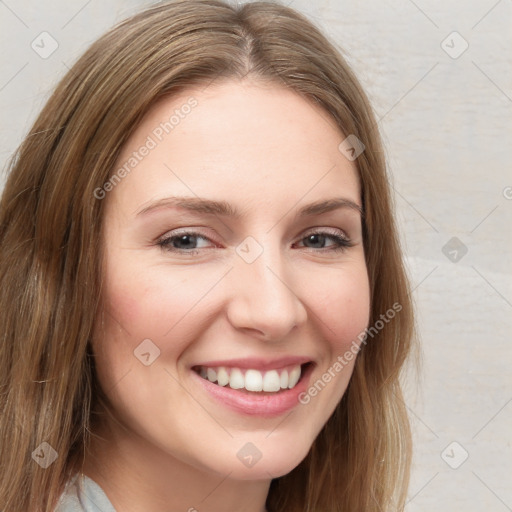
(247, 379)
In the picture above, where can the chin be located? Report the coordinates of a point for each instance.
(265, 459)
(267, 470)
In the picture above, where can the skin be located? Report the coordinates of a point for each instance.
(268, 152)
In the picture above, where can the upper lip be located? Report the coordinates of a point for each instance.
(257, 363)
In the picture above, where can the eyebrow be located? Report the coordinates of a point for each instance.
(212, 207)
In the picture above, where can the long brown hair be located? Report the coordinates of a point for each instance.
(50, 263)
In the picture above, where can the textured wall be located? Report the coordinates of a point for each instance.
(445, 113)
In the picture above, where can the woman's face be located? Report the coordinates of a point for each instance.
(234, 259)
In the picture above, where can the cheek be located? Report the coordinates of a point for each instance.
(342, 305)
(153, 303)
(144, 302)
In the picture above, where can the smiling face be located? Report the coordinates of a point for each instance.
(233, 259)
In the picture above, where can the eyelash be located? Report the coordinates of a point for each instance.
(342, 242)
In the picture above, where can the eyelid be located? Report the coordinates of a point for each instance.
(185, 231)
(329, 231)
(193, 231)
(342, 241)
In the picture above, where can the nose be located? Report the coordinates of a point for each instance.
(263, 297)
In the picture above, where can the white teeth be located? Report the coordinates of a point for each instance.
(294, 377)
(253, 380)
(222, 376)
(284, 379)
(236, 379)
(270, 381)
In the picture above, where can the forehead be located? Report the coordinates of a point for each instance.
(250, 141)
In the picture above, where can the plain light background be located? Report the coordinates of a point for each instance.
(439, 76)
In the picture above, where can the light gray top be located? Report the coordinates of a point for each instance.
(83, 495)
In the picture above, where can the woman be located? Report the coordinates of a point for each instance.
(203, 300)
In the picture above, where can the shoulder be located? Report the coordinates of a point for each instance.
(82, 494)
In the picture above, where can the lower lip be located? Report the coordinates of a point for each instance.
(257, 404)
